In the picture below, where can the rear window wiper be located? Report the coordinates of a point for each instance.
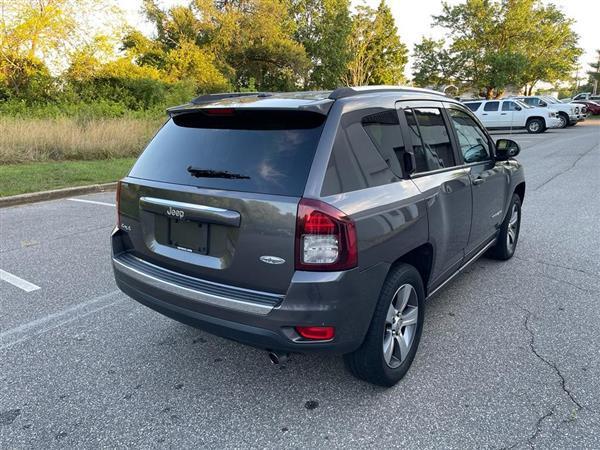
(209, 173)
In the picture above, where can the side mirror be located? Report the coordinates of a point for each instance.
(518, 108)
(542, 104)
(506, 149)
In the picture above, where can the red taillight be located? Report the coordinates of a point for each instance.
(319, 223)
(325, 238)
(118, 204)
(316, 333)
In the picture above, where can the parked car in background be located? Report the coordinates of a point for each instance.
(513, 114)
(315, 222)
(568, 113)
(592, 106)
(579, 111)
(584, 96)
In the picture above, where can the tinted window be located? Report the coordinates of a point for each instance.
(531, 101)
(430, 139)
(384, 130)
(474, 144)
(473, 106)
(364, 152)
(252, 151)
(509, 106)
(491, 106)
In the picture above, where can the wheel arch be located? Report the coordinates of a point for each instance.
(520, 191)
(529, 119)
(421, 258)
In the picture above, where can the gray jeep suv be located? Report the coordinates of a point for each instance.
(315, 221)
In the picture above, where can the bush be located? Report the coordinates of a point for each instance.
(135, 99)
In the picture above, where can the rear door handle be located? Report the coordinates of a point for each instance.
(478, 180)
(502, 114)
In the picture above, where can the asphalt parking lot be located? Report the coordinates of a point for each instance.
(510, 354)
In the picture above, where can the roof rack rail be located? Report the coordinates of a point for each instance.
(207, 98)
(352, 91)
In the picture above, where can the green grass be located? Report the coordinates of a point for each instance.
(42, 176)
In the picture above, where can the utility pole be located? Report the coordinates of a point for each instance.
(596, 77)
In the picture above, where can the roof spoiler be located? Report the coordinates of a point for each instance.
(321, 107)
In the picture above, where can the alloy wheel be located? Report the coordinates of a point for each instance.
(534, 126)
(513, 228)
(400, 325)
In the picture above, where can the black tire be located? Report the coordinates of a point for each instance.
(565, 119)
(368, 363)
(506, 244)
(536, 126)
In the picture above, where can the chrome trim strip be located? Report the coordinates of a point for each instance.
(192, 294)
(463, 267)
(174, 204)
(210, 213)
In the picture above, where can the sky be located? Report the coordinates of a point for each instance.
(413, 19)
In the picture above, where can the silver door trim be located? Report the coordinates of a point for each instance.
(463, 267)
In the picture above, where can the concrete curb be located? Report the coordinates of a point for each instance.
(55, 194)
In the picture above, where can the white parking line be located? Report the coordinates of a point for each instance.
(91, 201)
(18, 282)
(50, 322)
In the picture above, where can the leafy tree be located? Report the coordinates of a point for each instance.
(323, 28)
(509, 42)
(37, 36)
(552, 52)
(435, 65)
(378, 56)
(220, 43)
(255, 39)
(595, 73)
(189, 62)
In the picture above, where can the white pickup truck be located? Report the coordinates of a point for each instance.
(513, 114)
(568, 113)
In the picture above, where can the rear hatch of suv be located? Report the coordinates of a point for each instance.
(215, 194)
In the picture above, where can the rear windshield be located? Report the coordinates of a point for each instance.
(267, 151)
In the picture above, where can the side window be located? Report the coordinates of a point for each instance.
(509, 106)
(531, 101)
(430, 139)
(473, 106)
(474, 144)
(357, 160)
(491, 106)
(384, 130)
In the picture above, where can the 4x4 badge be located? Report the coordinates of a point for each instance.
(272, 259)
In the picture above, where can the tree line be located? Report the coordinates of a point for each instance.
(491, 45)
(202, 46)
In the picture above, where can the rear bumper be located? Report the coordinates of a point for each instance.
(345, 300)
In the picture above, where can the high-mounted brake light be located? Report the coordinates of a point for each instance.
(220, 112)
(325, 238)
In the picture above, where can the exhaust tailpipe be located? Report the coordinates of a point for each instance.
(278, 357)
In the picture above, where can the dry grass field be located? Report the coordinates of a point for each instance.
(62, 139)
